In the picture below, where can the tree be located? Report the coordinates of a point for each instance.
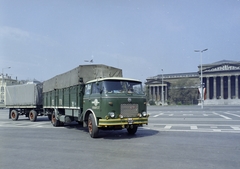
(183, 91)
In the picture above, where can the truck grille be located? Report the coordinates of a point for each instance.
(129, 110)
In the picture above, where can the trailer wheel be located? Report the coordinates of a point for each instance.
(132, 130)
(33, 115)
(92, 127)
(14, 115)
(54, 120)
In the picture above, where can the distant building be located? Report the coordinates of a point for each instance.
(221, 81)
(5, 81)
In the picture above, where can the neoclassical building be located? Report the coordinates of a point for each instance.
(221, 81)
(5, 80)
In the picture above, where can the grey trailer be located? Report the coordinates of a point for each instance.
(25, 99)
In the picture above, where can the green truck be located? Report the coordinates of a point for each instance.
(96, 96)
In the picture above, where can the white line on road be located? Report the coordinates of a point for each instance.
(193, 127)
(217, 130)
(232, 114)
(235, 128)
(225, 117)
(167, 127)
(158, 115)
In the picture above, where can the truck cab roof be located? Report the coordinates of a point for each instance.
(113, 78)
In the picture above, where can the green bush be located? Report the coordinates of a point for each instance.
(151, 102)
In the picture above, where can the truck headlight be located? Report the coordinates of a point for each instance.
(144, 114)
(111, 114)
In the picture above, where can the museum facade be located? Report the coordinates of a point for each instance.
(221, 81)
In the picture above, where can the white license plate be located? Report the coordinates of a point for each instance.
(130, 121)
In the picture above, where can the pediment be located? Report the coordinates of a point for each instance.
(223, 67)
(154, 81)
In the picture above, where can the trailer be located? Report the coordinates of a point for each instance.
(25, 99)
(96, 96)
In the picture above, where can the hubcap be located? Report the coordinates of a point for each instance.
(90, 126)
(13, 115)
(31, 115)
(53, 119)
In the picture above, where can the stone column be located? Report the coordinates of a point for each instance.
(165, 92)
(236, 85)
(214, 87)
(150, 92)
(162, 94)
(158, 98)
(222, 94)
(154, 94)
(229, 87)
(208, 89)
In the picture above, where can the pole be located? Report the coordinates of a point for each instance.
(202, 99)
(162, 90)
(201, 85)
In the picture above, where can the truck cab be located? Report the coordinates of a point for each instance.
(114, 103)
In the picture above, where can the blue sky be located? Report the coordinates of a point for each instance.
(40, 39)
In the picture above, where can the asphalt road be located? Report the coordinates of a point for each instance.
(38, 145)
(195, 119)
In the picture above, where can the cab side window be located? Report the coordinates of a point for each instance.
(88, 89)
(96, 87)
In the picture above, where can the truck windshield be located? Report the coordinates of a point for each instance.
(116, 86)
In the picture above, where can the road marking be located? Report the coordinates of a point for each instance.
(225, 117)
(232, 114)
(158, 115)
(167, 127)
(205, 115)
(217, 130)
(193, 127)
(235, 128)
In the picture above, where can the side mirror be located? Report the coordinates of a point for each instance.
(80, 79)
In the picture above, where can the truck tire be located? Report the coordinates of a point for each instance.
(33, 115)
(54, 120)
(14, 115)
(92, 127)
(132, 130)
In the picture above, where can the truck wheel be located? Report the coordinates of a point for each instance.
(92, 127)
(132, 130)
(14, 115)
(54, 120)
(33, 115)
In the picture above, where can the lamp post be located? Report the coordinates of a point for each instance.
(201, 85)
(162, 89)
(2, 88)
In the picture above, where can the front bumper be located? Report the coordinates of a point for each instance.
(122, 122)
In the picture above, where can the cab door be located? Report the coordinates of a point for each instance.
(96, 98)
(86, 99)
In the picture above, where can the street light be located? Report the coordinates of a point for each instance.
(202, 99)
(162, 89)
(2, 88)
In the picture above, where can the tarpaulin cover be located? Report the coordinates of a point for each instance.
(86, 72)
(24, 95)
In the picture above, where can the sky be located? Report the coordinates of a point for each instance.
(40, 39)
